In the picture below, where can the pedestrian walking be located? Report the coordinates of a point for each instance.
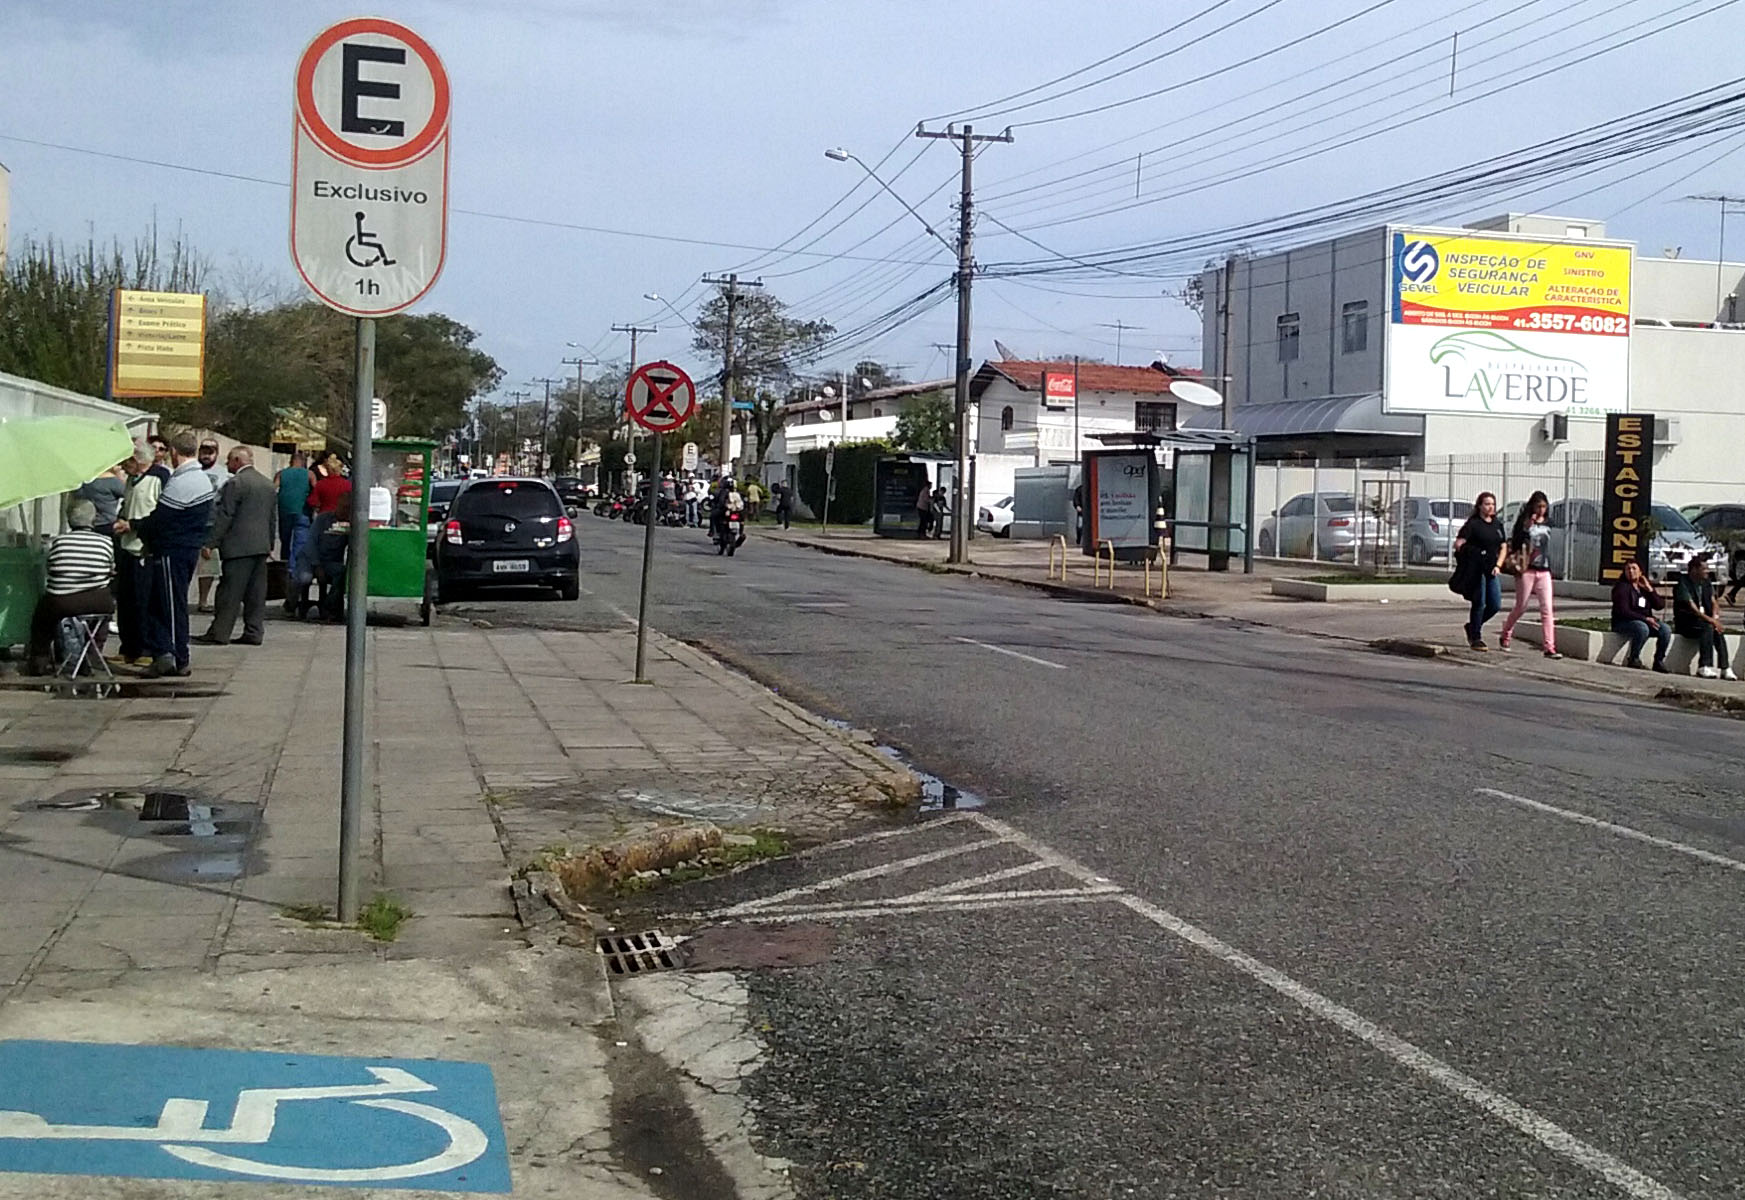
(924, 510)
(81, 563)
(174, 533)
(753, 499)
(1634, 605)
(206, 570)
(941, 510)
(132, 568)
(242, 539)
(293, 484)
(696, 491)
(1478, 554)
(784, 504)
(1529, 557)
(1694, 616)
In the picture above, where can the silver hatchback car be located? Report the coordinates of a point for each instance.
(1427, 525)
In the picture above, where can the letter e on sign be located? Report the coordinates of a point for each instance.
(369, 175)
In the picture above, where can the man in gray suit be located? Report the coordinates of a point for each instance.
(242, 536)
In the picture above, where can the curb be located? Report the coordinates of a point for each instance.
(1053, 587)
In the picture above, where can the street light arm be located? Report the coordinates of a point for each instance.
(840, 155)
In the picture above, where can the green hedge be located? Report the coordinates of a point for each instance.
(854, 500)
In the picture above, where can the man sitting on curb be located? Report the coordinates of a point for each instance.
(1693, 616)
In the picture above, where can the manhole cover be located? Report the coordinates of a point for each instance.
(637, 953)
(750, 947)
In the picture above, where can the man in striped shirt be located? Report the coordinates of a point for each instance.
(80, 564)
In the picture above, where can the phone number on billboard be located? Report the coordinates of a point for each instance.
(1568, 322)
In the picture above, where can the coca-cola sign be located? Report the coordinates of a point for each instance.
(1059, 389)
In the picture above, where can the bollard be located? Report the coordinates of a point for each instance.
(1097, 564)
(1060, 541)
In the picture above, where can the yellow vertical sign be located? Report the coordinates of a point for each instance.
(158, 344)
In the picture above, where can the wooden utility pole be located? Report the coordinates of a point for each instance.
(729, 285)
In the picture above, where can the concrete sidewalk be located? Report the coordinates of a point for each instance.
(1427, 627)
(133, 917)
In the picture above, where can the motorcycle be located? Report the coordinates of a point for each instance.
(730, 533)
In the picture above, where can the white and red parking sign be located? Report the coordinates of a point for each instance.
(660, 397)
(369, 175)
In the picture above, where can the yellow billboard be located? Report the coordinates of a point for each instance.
(157, 344)
(1521, 325)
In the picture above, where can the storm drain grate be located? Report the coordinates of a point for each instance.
(638, 953)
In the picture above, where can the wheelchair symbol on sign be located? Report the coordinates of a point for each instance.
(181, 1130)
(363, 240)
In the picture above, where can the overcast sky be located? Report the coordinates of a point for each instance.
(707, 120)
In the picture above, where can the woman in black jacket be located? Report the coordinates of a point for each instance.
(1478, 549)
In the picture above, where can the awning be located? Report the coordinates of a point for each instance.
(1358, 416)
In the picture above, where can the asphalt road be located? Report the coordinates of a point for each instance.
(1360, 931)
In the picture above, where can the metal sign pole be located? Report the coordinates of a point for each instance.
(649, 519)
(351, 794)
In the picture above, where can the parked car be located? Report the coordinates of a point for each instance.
(1330, 530)
(507, 532)
(1689, 511)
(1575, 554)
(442, 496)
(571, 490)
(1428, 525)
(1717, 522)
(996, 520)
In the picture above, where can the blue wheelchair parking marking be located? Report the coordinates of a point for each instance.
(164, 1112)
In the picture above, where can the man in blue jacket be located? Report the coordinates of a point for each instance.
(174, 533)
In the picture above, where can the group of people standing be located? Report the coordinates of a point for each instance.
(1485, 551)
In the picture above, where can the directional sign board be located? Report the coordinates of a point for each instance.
(660, 397)
(158, 1112)
(369, 167)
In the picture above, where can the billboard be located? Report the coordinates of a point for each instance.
(1118, 486)
(157, 344)
(1507, 324)
(1629, 483)
(1059, 389)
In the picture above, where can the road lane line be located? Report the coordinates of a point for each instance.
(1635, 835)
(966, 904)
(963, 885)
(1041, 662)
(1541, 1129)
(883, 869)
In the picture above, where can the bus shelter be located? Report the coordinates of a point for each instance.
(1207, 490)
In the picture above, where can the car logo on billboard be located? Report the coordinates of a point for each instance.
(1419, 262)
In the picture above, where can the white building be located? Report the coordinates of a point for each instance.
(1515, 335)
(1031, 414)
(817, 424)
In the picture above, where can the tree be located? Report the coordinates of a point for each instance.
(768, 345)
(926, 424)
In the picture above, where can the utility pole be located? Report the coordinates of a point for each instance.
(1722, 312)
(544, 424)
(516, 398)
(578, 363)
(966, 138)
(629, 428)
(729, 285)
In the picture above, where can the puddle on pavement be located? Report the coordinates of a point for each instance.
(936, 794)
(21, 755)
(220, 833)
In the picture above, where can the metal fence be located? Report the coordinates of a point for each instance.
(1397, 512)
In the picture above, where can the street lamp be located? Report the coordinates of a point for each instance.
(660, 299)
(838, 154)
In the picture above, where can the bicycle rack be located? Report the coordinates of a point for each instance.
(1057, 542)
(1097, 565)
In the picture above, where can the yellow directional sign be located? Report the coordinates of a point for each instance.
(157, 344)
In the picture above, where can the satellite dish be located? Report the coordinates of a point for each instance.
(1197, 394)
(1005, 351)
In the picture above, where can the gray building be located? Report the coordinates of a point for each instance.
(1512, 335)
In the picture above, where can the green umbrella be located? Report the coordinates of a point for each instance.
(44, 456)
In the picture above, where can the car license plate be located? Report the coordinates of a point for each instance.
(511, 564)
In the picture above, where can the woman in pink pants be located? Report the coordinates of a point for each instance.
(1531, 542)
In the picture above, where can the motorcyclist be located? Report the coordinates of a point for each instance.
(718, 504)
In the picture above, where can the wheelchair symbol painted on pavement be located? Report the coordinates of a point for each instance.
(308, 1133)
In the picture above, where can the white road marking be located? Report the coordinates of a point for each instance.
(820, 604)
(883, 869)
(612, 608)
(1635, 835)
(1029, 658)
(969, 904)
(881, 835)
(963, 885)
(1548, 1133)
